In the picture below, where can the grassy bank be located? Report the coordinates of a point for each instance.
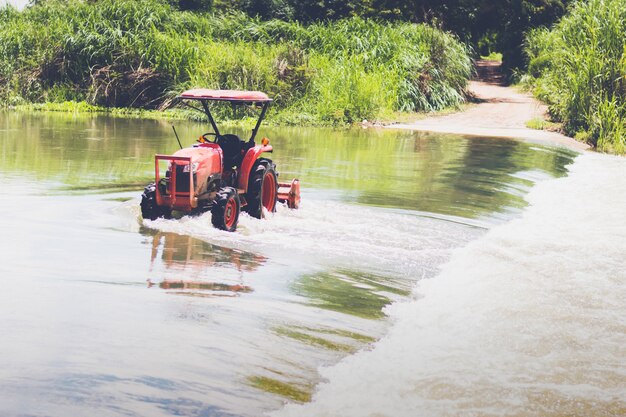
(579, 69)
(140, 54)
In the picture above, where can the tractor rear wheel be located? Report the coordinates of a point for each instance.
(262, 188)
(149, 208)
(225, 210)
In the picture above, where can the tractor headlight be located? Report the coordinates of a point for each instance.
(194, 168)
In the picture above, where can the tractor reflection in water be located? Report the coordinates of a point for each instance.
(190, 266)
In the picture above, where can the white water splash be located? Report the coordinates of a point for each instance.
(335, 234)
(529, 320)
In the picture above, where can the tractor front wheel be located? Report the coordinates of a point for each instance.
(149, 208)
(262, 188)
(225, 210)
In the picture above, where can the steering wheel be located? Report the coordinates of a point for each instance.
(206, 137)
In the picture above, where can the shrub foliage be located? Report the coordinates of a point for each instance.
(579, 68)
(141, 53)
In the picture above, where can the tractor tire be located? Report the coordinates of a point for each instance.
(149, 208)
(225, 210)
(262, 188)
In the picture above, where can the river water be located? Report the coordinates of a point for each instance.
(423, 275)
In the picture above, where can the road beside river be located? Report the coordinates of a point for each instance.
(502, 111)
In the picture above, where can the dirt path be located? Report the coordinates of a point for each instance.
(501, 112)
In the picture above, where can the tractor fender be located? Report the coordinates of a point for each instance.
(248, 161)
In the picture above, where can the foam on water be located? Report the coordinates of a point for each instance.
(528, 320)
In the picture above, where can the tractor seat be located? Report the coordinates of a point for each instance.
(231, 148)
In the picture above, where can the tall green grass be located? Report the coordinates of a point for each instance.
(579, 68)
(141, 53)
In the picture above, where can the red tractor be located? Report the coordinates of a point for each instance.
(221, 173)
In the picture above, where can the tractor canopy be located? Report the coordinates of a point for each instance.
(235, 97)
(247, 97)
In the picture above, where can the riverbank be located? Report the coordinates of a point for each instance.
(577, 67)
(141, 54)
(501, 111)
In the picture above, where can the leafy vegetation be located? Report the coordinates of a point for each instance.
(579, 68)
(493, 56)
(541, 124)
(488, 25)
(122, 53)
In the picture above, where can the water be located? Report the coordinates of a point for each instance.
(103, 314)
(528, 320)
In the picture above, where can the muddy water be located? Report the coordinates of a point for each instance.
(105, 314)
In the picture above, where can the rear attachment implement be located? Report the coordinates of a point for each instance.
(289, 193)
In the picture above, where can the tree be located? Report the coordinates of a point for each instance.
(485, 24)
(515, 17)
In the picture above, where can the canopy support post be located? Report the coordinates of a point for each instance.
(258, 123)
(210, 116)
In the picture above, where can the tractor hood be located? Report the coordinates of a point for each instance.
(206, 159)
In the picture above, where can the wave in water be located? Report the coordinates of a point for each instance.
(528, 320)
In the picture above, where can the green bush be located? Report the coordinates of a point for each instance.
(125, 53)
(579, 69)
